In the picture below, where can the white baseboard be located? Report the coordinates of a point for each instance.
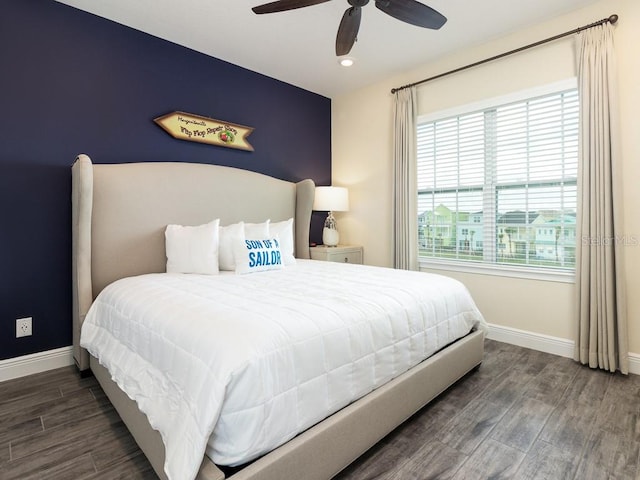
(35, 363)
(546, 343)
(634, 363)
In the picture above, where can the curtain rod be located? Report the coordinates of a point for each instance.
(611, 19)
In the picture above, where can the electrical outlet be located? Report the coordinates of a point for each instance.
(23, 327)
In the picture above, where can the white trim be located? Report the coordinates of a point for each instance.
(35, 363)
(513, 97)
(500, 270)
(634, 363)
(546, 343)
(535, 341)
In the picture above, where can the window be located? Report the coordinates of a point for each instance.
(498, 186)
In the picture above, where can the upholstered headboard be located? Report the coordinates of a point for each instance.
(120, 212)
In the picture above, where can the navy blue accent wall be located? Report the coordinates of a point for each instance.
(74, 83)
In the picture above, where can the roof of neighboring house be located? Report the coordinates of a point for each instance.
(517, 217)
(564, 219)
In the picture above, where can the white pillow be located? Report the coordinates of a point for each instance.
(192, 249)
(257, 255)
(229, 236)
(256, 230)
(284, 232)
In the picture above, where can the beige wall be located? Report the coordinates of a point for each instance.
(362, 136)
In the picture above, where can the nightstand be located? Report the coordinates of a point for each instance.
(341, 253)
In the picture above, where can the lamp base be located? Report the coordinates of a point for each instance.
(330, 237)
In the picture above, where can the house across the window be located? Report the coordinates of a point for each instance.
(498, 186)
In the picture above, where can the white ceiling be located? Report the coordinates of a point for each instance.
(298, 46)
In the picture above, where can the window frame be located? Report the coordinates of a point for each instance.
(533, 272)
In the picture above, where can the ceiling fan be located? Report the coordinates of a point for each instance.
(409, 11)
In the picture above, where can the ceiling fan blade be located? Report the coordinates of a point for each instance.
(348, 30)
(413, 12)
(283, 5)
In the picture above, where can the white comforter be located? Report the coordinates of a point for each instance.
(239, 364)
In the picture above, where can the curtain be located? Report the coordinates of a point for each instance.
(601, 340)
(405, 192)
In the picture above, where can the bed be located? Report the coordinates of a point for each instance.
(120, 212)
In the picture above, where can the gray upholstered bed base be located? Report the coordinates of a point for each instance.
(119, 214)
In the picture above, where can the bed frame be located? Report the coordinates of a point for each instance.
(119, 215)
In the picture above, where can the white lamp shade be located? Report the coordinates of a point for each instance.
(331, 199)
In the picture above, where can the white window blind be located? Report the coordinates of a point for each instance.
(498, 186)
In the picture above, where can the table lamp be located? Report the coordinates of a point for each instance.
(331, 199)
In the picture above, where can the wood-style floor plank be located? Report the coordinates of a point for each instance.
(135, 467)
(608, 456)
(443, 461)
(522, 424)
(547, 462)
(19, 428)
(82, 432)
(77, 468)
(551, 383)
(569, 426)
(523, 415)
(492, 460)
(4, 453)
(467, 430)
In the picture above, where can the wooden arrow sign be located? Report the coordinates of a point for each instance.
(194, 128)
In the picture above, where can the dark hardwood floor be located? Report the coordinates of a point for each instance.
(522, 415)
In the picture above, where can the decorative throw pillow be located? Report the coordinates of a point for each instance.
(257, 255)
(192, 249)
(284, 232)
(229, 236)
(232, 234)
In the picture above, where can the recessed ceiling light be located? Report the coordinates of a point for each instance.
(346, 61)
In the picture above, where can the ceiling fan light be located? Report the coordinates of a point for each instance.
(346, 61)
